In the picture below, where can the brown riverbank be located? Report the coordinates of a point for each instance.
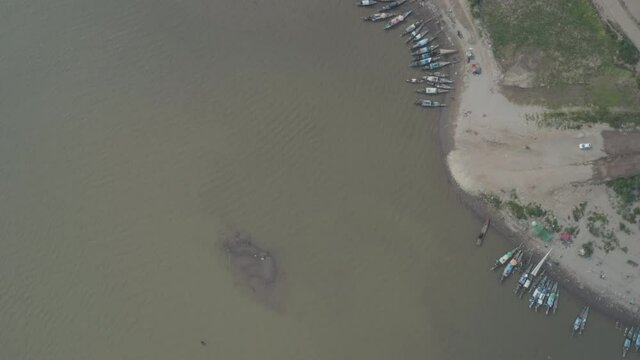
(580, 276)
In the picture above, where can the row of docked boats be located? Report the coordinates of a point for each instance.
(426, 54)
(631, 339)
(545, 292)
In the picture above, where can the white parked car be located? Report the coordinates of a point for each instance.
(585, 146)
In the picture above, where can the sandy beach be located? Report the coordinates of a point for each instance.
(491, 147)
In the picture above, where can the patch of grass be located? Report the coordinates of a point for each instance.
(492, 199)
(627, 189)
(552, 223)
(586, 249)
(572, 230)
(577, 119)
(578, 211)
(564, 33)
(597, 223)
(627, 193)
(534, 210)
(516, 209)
(627, 51)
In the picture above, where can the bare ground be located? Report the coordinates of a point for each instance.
(494, 149)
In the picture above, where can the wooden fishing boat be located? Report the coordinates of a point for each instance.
(429, 103)
(409, 29)
(397, 20)
(628, 335)
(422, 43)
(552, 298)
(378, 16)
(555, 303)
(581, 321)
(440, 86)
(437, 65)
(426, 55)
(638, 340)
(425, 61)
(414, 33)
(523, 279)
(438, 74)
(504, 258)
(534, 273)
(431, 91)
(366, 2)
(415, 81)
(419, 36)
(485, 226)
(392, 5)
(538, 292)
(448, 51)
(439, 80)
(425, 50)
(508, 270)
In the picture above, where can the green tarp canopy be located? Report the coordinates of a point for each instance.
(539, 231)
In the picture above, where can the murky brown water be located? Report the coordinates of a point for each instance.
(134, 133)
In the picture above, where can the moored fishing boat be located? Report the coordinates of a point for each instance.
(409, 29)
(425, 61)
(378, 16)
(366, 2)
(440, 86)
(581, 321)
(425, 50)
(440, 80)
(485, 226)
(431, 91)
(628, 335)
(419, 36)
(555, 303)
(392, 5)
(422, 43)
(536, 293)
(504, 258)
(448, 51)
(544, 294)
(414, 33)
(523, 279)
(508, 270)
(429, 103)
(437, 65)
(397, 20)
(552, 298)
(415, 81)
(638, 340)
(535, 271)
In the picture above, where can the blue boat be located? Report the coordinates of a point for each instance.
(508, 270)
(551, 300)
(424, 62)
(416, 26)
(628, 336)
(581, 321)
(422, 43)
(537, 292)
(425, 50)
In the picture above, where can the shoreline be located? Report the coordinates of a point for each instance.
(447, 123)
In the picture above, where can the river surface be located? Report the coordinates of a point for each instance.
(133, 134)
